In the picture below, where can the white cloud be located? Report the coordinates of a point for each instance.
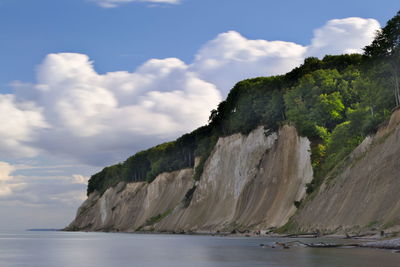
(112, 115)
(19, 123)
(31, 198)
(40, 189)
(340, 36)
(115, 3)
(79, 179)
(231, 57)
(5, 175)
(7, 181)
(103, 118)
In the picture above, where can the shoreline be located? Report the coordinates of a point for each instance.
(370, 240)
(364, 241)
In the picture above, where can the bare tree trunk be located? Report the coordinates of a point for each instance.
(396, 80)
(396, 89)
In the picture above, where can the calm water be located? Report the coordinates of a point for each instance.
(43, 249)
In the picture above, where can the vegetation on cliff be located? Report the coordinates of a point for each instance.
(336, 102)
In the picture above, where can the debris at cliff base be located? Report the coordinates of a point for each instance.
(393, 244)
(296, 243)
(383, 244)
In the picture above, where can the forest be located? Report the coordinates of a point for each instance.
(336, 102)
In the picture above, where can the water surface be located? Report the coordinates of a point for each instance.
(62, 249)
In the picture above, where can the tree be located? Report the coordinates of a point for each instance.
(386, 45)
(320, 99)
(374, 88)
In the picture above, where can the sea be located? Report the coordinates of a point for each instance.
(81, 249)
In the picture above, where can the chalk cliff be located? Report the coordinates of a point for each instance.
(362, 193)
(248, 182)
(127, 207)
(252, 182)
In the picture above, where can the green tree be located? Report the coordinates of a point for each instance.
(329, 109)
(319, 99)
(386, 45)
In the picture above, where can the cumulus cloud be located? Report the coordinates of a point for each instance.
(115, 3)
(19, 124)
(102, 118)
(230, 57)
(111, 115)
(343, 36)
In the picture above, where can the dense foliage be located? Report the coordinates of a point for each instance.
(386, 46)
(337, 110)
(336, 102)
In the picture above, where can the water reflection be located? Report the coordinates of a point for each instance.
(49, 249)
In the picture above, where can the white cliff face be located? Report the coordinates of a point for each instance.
(363, 192)
(251, 182)
(268, 200)
(127, 207)
(234, 160)
(248, 182)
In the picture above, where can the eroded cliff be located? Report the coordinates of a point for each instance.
(251, 182)
(362, 193)
(248, 182)
(128, 207)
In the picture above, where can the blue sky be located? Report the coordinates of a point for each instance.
(122, 38)
(84, 85)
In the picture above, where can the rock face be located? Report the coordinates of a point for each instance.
(363, 192)
(248, 182)
(251, 182)
(127, 207)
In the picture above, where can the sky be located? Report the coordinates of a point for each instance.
(87, 83)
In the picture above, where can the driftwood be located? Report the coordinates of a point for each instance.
(303, 235)
(392, 244)
(331, 245)
(287, 245)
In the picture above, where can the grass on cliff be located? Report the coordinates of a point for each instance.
(290, 227)
(155, 219)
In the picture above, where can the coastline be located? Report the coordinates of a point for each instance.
(368, 240)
